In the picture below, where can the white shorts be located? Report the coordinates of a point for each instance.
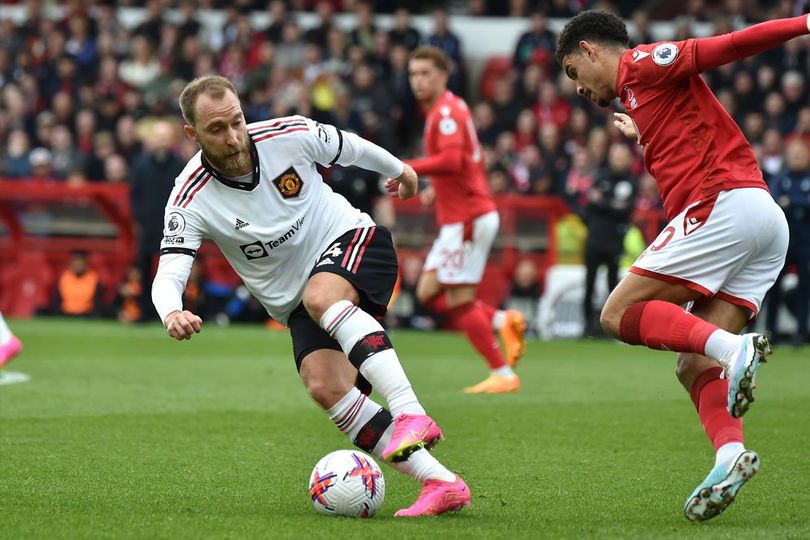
(731, 246)
(459, 254)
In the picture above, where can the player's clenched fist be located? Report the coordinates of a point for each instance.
(182, 324)
(405, 185)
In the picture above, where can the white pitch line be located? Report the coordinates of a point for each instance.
(13, 377)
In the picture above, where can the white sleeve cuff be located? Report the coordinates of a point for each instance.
(170, 282)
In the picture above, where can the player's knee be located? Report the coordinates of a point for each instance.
(324, 391)
(610, 319)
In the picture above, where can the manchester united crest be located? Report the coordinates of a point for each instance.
(289, 183)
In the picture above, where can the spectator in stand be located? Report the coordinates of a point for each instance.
(290, 50)
(504, 105)
(802, 129)
(363, 33)
(527, 88)
(579, 180)
(450, 45)
(277, 10)
(403, 33)
(771, 154)
(404, 112)
(792, 191)
(319, 34)
(81, 45)
(78, 291)
(42, 165)
(189, 25)
(126, 139)
(536, 46)
(553, 154)
(551, 107)
(484, 118)
(17, 157)
(525, 129)
(151, 26)
(66, 158)
(610, 205)
(128, 300)
(641, 28)
(151, 180)
(103, 147)
(142, 67)
(116, 169)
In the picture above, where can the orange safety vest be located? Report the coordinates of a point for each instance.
(77, 292)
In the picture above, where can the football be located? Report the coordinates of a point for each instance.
(347, 483)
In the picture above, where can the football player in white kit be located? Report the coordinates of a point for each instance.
(317, 264)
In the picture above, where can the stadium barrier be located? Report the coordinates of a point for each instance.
(41, 223)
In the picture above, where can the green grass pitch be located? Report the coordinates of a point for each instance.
(124, 433)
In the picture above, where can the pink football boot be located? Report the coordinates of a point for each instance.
(9, 350)
(411, 432)
(438, 497)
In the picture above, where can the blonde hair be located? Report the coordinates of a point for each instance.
(434, 54)
(209, 85)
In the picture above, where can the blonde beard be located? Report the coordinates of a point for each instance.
(231, 167)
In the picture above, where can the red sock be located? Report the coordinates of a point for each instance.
(489, 311)
(664, 326)
(710, 394)
(473, 320)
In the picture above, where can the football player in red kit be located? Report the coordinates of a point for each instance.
(726, 240)
(468, 220)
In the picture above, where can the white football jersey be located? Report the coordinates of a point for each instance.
(272, 229)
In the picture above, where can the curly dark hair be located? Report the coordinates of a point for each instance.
(597, 26)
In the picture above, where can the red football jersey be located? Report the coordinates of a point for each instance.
(692, 147)
(463, 195)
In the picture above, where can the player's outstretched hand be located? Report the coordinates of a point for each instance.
(182, 324)
(625, 124)
(406, 185)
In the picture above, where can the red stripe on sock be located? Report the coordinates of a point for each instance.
(710, 395)
(339, 317)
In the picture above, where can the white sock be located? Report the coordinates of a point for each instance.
(420, 466)
(352, 412)
(361, 419)
(499, 319)
(504, 371)
(722, 345)
(5, 333)
(423, 466)
(728, 451)
(349, 324)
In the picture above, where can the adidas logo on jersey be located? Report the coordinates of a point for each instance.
(240, 224)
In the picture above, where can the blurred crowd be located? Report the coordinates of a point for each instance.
(81, 97)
